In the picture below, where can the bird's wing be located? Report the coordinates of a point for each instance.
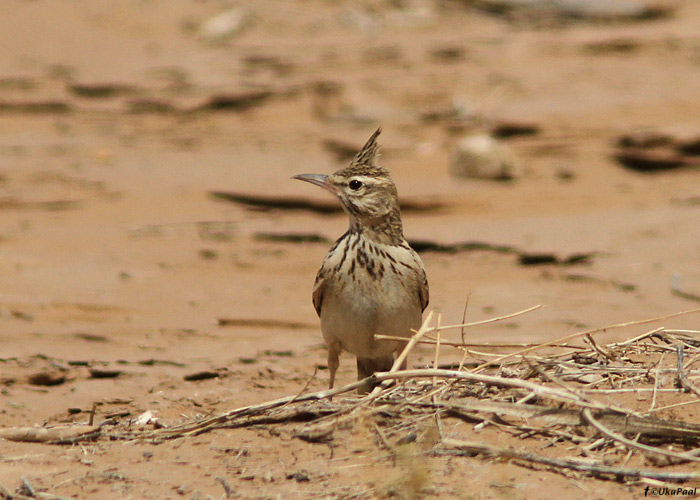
(319, 286)
(423, 292)
(421, 281)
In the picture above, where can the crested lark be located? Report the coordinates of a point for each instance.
(371, 282)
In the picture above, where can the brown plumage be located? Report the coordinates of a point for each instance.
(371, 281)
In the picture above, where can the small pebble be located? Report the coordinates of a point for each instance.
(480, 156)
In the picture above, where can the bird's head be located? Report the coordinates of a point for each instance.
(364, 188)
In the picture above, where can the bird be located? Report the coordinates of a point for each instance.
(371, 282)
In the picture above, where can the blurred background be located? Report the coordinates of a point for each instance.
(550, 147)
(545, 151)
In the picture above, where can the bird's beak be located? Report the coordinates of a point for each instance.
(317, 179)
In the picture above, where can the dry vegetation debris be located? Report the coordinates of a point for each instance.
(570, 404)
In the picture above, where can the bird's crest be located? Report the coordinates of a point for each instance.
(365, 162)
(369, 152)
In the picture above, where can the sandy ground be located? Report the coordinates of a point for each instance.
(114, 255)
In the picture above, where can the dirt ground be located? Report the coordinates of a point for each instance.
(117, 265)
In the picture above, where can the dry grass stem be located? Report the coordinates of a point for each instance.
(485, 321)
(682, 377)
(437, 348)
(588, 397)
(412, 343)
(508, 345)
(690, 456)
(597, 470)
(590, 332)
(657, 380)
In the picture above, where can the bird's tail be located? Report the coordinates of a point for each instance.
(367, 366)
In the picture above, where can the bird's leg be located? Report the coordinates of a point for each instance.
(333, 361)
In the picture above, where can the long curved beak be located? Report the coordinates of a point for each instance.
(317, 179)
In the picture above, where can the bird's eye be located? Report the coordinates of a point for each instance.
(355, 184)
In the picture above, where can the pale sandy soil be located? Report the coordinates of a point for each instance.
(113, 253)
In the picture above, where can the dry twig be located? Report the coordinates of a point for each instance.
(682, 377)
(566, 397)
(596, 470)
(688, 456)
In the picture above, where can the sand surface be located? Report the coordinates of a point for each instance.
(118, 120)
